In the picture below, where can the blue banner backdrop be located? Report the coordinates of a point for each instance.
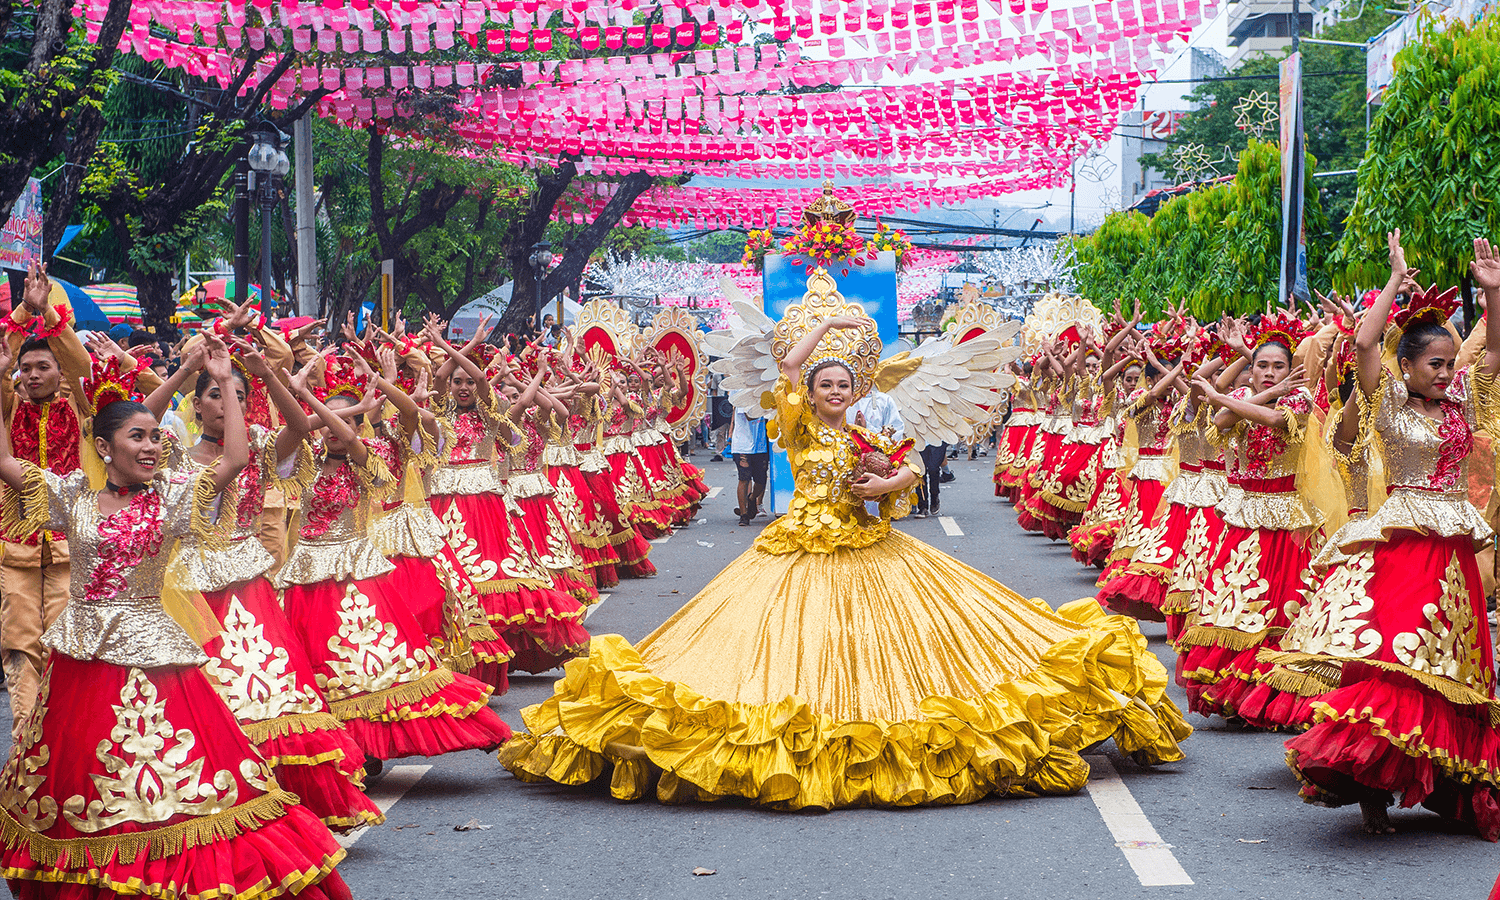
(784, 282)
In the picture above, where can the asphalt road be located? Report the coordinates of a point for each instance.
(1227, 818)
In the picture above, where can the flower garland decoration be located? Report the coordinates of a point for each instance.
(893, 239)
(826, 244)
(757, 244)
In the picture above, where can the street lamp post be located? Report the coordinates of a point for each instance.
(268, 162)
(541, 258)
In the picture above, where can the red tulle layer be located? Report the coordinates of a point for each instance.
(630, 547)
(1383, 731)
(1134, 594)
(1266, 707)
(1092, 543)
(417, 583)
(83, 705)
(331, 790)
(485, 529)
(453, 718)
(291, 856)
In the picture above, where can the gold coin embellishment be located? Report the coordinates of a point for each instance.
(794, 399)
(828, 519)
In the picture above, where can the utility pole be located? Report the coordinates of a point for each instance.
(241, 230)
(307, 235)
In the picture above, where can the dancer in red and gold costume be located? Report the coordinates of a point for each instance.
(370, 655)
(1013, 450)
(1142, 540)
(257, 663)
(1260, 566)
(541, 623)
(130, 775)
(1415, 710)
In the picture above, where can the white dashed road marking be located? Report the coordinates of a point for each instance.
(950, 527)
(592, 609)
(1147, 853)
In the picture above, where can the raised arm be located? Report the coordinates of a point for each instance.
(331, 420)
(295, 426)
(1367, 340)
(1486, 270)
(236, 453)
(159, 400)
(791, 366)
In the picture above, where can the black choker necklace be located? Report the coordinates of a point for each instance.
(124, 490)
(338, 456)
(219, 441)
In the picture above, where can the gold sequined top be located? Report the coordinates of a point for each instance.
(1200, 481)
(1263, 463)
(1427, 462)
(824, 514)
(114, 612)
(215, 565)
(1092, 410)
(333, 540)
(407, 525)
(474, 454)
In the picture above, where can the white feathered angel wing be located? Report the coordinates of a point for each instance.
(945, 394)
(744, 351)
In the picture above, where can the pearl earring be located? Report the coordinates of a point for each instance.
(108, 459)
(1406, 376)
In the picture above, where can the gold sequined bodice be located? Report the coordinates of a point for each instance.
(1419, 451)
(114, 610)
(825, 514)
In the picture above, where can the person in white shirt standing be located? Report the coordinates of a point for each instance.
(752, 459)
(877, 412)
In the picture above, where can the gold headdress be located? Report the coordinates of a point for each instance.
(857, 348)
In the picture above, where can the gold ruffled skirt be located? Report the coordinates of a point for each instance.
(892, 675)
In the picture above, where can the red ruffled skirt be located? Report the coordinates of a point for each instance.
(1011, 461)
(694, 488)
(664, 482)
(551, 544)
(1254, 583)
(1413, 715)
(1059, 502)
(381, 679)
(541, 624)
(587, 525)
(154, 790)
(258, 666)
(632, 549)
(643, 510)
(458, 629)
(1094, 538)
(1191, 560)
(1134, 582)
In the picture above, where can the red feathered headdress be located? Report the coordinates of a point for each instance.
(108, 383)
(1284, 328)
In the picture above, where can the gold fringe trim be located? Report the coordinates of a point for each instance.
(1303, 684)
(345, 824)
(160, 843)
(332, 756)
(1062, 503)
(1178, 603)
(1452, 691)
(281, 726)
(503, 585)
(1228, 638)
(374, 706)
(593, 542)
(529, 614)
(26, 511)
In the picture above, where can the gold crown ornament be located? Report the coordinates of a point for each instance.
(857, 348)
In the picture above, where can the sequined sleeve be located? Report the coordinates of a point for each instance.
(377, 475)
(793, 414)
(1485, 413)
(1295, 409)
(45, 500)
(291, 474)
(190, 502)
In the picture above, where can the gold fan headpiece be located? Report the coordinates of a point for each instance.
(857, 348)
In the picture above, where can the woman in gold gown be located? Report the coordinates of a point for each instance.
(841, 663)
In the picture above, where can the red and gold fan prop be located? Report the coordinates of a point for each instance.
(604, 329)
(675, 332)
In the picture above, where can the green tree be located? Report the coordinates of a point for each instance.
(52, 86)
(718, 247)
(1217, 249)
(1432, 167)
(1333, 108)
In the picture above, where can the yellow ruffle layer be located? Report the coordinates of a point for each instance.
(1019, 737)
